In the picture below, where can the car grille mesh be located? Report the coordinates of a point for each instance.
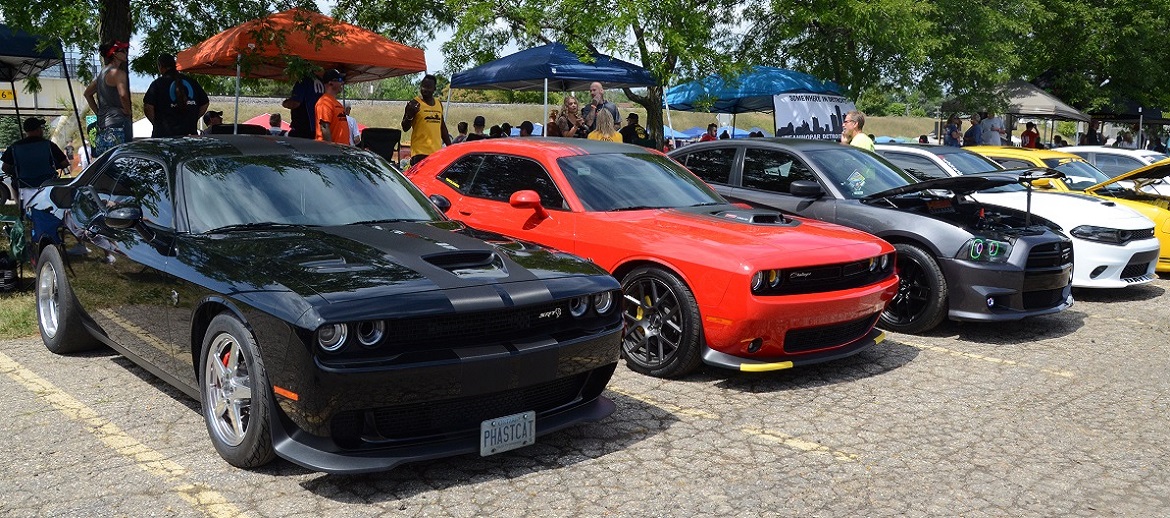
(416, 421)
(475, 329)
(1041, 299)
(1050, 255)
(823, 337)
(1137, 235)
(820, 279)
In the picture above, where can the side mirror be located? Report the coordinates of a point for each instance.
(806, 189)
(440, 202)
(123, 217)
(528, 199)
(62, 196)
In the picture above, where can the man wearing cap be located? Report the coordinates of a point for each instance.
(109, 98)
(424, 119)
(210, 119)
(33, 159)
(477, 127)
(302, 107)
(332, 126)
(632, 132)
(174, 102)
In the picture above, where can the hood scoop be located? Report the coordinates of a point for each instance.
(755, 217)
(477, 264)
(330, 264)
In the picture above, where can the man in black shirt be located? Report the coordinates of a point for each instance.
(174, 102)
(32, 160)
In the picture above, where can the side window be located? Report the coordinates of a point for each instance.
(713, 165)
(138, 182)
(921, 168)
(772, 170)
(1011, 163)
(1116, 165)
(459, 174)
(500, 176)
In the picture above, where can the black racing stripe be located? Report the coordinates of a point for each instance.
(409, 243)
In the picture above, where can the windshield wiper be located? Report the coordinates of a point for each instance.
(387, 220)
(259, 225)
(634, 207)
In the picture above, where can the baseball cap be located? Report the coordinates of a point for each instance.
(33, 123)
(632, 116)
(207, 116)
(333, 74)
(479, 121)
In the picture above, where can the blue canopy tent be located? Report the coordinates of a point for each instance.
(752, 91)
(668, 132)
(551, 66)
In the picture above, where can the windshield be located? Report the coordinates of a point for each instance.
(970, 163)
(612, 181)
(857, 174)
(298, 190)
(1080, 174)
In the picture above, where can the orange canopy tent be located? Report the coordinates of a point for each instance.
(261, 44)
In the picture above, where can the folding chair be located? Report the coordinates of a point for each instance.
(383, 141)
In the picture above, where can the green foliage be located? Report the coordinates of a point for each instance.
(9, 130)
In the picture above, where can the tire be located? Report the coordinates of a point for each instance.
(921, 302)
(235, 394)
(664, 333)
(58, 313)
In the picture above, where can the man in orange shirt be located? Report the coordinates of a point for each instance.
(332, 126)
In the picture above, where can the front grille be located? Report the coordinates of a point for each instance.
(1042, 299)
(454, 330)
(1050, 255)
(454, 416)
(833, 277)
(822, 337)
(1136, 235)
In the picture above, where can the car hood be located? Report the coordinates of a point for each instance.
(957, 184)
(1070, 209)
(748, 234)
(365, 262)
(1151, 172)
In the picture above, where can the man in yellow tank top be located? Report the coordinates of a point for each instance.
(424, 115)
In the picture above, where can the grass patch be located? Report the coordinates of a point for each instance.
(18, 315)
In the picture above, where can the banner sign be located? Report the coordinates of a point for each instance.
(811, 116)
(7, 95)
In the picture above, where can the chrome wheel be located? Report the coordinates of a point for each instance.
(228, 390)
(48, 300)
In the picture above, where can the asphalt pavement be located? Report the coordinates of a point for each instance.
(1062, 415)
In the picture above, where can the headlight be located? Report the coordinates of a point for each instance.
(985, 250)
(1102, 235)
(603, 302)
(332, 336)
(757, 281)
(371, 332)
(578, 306)
(770, 279)
(884, 262)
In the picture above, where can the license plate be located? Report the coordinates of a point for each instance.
(507, 433)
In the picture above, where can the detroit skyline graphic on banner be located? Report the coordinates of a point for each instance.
(810, 116)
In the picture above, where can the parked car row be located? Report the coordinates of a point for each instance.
(327, 309)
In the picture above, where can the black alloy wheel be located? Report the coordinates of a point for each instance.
(663, 330)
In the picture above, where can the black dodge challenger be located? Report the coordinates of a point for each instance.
(319, 306)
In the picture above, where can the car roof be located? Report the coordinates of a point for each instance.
(926, 149)
(176, 150)
(1110, 150)
(1020, 152)
(794, 143)
(556, 145)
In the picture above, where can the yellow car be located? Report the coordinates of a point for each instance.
(1083, 177)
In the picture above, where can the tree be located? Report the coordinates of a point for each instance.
(673, 39)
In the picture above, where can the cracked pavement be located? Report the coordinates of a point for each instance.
(1064, 415)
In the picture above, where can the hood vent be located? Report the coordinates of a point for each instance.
(755, 217)
(330, 264)
(470, 264)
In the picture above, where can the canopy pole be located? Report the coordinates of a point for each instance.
(16, 106)
(447, 107)
(544, 125)
(76, 113)
(733, 117)
(673, 139)
(236, 121)
(1141, 119)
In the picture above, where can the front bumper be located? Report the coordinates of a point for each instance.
(363, 419)
(1016, 293)
(1100, 265)
(800, 329)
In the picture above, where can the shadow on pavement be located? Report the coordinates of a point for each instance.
(887, 356)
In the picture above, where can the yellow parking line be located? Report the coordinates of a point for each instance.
(199, 496)
(800, 444)
(692, 412)
(991, 359)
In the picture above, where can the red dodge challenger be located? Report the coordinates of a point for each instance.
(705, 281)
